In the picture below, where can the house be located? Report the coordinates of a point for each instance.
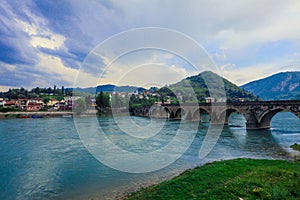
(123, 94)
(241, 99)
(52, 102)
(223, 99)
(2, 101)
(92, 104)
(36, 100)
(10, 104)
(68, 103)
(209, 99)
(168, 101)
(33, 106)
(21, 104)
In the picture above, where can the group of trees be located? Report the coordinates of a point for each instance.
(21, 93)
(103, 100)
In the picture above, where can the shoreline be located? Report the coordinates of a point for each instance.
(290, 157)
(216, 169)
(18, 114)
(10, 115)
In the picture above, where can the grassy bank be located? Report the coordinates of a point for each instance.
(232, 179)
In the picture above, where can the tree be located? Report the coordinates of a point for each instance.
(54, 89)
(116, 101)
(102, 100)
(46, 100)
(80, 106)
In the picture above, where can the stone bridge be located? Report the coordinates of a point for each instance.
(258, 114)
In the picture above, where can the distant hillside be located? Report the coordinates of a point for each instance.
(108, 88)
(233, 92)
(281, 86)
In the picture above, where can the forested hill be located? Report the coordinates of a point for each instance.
(281, 86)
(233, 92)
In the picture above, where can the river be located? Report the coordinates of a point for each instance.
(45, 158)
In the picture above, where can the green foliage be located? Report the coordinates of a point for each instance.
(232, 179)
(7, 109)
(102, 100)
(296, 147)
(199, 86)
(22, 93)
(136, 102)
(80, 106)
(46, 100)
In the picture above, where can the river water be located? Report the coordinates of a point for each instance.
(45, 158)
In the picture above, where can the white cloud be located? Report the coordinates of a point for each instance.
(157, 74)
(139, 68)
(54, 67)
(4, 88)
(245, 74)
(54, 41)
(9, 67)
(40, 35)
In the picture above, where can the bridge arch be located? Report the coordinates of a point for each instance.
(169, 113)
(153, 112)
(225, 114)
(179, 113)
(266, 118)
(159, 112)
(197, 114)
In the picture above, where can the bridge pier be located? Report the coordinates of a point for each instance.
(250, 125)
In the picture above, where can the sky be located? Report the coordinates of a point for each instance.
(51, 42)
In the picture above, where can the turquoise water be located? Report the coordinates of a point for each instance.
(45, 159)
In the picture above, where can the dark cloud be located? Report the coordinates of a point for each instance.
(249, 31)
(14, 46)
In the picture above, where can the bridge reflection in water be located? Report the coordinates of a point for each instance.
(258, 114)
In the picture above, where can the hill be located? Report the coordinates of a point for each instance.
(233, 92)
(108, 88)
(281, 86)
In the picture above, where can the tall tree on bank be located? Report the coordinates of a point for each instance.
(80, 106)
(102, 101)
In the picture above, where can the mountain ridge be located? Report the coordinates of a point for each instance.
(280, 86)
(108, 88)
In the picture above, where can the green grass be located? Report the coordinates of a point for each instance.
(232, 179)
(296, 147)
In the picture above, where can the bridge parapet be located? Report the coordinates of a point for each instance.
(258, 114)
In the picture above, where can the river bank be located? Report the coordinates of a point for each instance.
(21, 114)
(230, 179)
(8, 115)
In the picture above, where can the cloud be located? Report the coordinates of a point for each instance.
(145, 75)
(139, 68)
(8, 67)
(59, 73)
(5, 88)
(13, 41)
(239, 35)
(245, 74)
